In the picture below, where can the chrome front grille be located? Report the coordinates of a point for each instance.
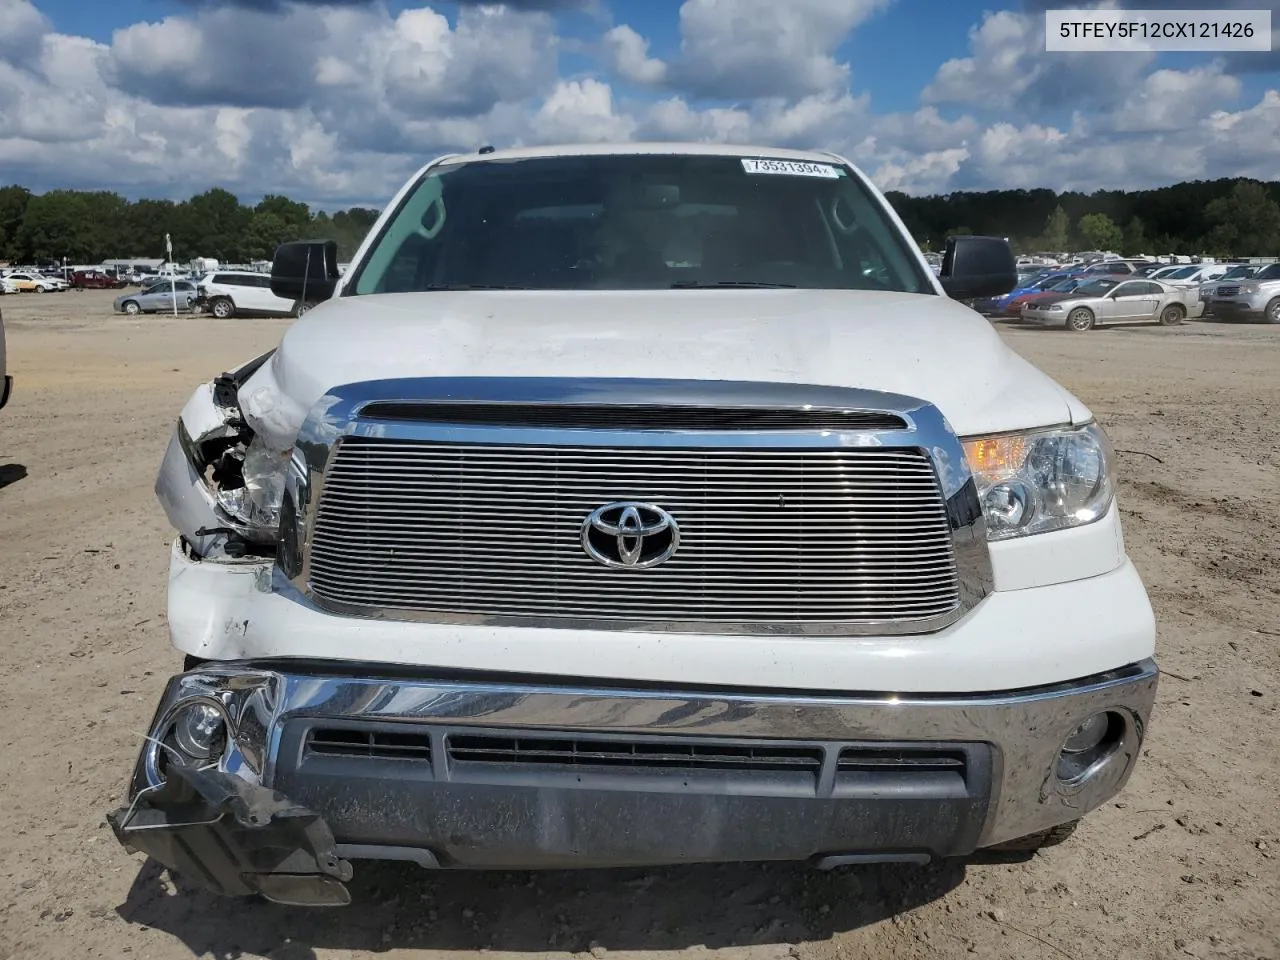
(779, 538)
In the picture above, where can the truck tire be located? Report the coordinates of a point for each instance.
(222, 308)
(1035, 841)
(1272, 311)
(1080, 319)
(1172, 315)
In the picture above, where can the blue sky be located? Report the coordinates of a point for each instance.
(337, 101)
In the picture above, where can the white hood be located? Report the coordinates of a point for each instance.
(920, 345)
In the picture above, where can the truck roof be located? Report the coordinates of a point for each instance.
(607, 149)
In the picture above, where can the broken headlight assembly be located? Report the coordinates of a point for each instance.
(247, 483)
(242, 476)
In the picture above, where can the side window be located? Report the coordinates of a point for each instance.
(1127, 290)
(263, 281)
(219, 278)
(1152, 289)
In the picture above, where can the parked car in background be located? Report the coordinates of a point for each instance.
(1257, 298)
(30, 281)
(1195, 274)
(158, 297)
(1237, 273)
(1010, 305)
(226, 293)
(95, 280)
(1129, 301)
(1116, 267)
(1061, 287)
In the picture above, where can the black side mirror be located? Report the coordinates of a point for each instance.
(978, 267)
(305, 271)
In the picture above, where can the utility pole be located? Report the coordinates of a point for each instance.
(173, 281)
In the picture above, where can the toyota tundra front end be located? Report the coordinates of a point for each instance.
(634, 505)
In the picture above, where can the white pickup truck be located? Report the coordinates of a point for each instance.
(630, 505)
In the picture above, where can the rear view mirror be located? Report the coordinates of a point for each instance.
(978, 267)
(306, 270)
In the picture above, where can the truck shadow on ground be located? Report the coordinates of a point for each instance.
(11, 473)
(397, 906)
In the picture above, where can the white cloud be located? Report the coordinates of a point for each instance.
(628, 54)
(1010, 70)
(1164, 99)
(338, 103)
(21, 27)
(581, 111)
(1244, 142)
(924, 173)
(746, 49)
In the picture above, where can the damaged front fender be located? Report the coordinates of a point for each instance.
(235, 838)
(211, 436)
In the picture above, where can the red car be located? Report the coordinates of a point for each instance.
(95, 280)
(1014, 307)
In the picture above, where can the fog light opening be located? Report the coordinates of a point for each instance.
(1090, 745)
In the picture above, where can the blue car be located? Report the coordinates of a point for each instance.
(1034, 284)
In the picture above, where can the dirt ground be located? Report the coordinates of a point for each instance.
(1186, 863)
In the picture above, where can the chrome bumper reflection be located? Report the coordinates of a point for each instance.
(1026, 728)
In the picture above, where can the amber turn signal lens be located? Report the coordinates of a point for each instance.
(996, 457)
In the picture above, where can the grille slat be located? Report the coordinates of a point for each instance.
(922, 760)
(669, 755)
(348, 742)
(646, 417)
(865, 551)
(766, 536)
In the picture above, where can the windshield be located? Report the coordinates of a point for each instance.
(638, 222)
(1182, 273)
(1065, 286)
(1236, 273)
(1094, 288)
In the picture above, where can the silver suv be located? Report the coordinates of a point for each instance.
(1257, 298)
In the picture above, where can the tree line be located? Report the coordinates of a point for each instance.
(1229, 217)
(92, 226)
(1220, 218)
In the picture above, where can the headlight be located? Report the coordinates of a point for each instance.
(1042, 480)
(1249, 288)
(254, 503)
(1053, 306)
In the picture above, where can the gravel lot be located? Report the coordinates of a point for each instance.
(1187, 863)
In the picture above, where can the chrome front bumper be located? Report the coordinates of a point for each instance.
(1239, 307)
(428, 806)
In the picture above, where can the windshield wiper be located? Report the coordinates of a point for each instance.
(439, 287)
(712, 284)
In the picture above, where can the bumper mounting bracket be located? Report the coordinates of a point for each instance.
(235, 838)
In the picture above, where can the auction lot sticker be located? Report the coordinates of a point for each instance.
(1119, 31)
(790, 168)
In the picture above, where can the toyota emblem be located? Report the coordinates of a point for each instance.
(630, 535)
